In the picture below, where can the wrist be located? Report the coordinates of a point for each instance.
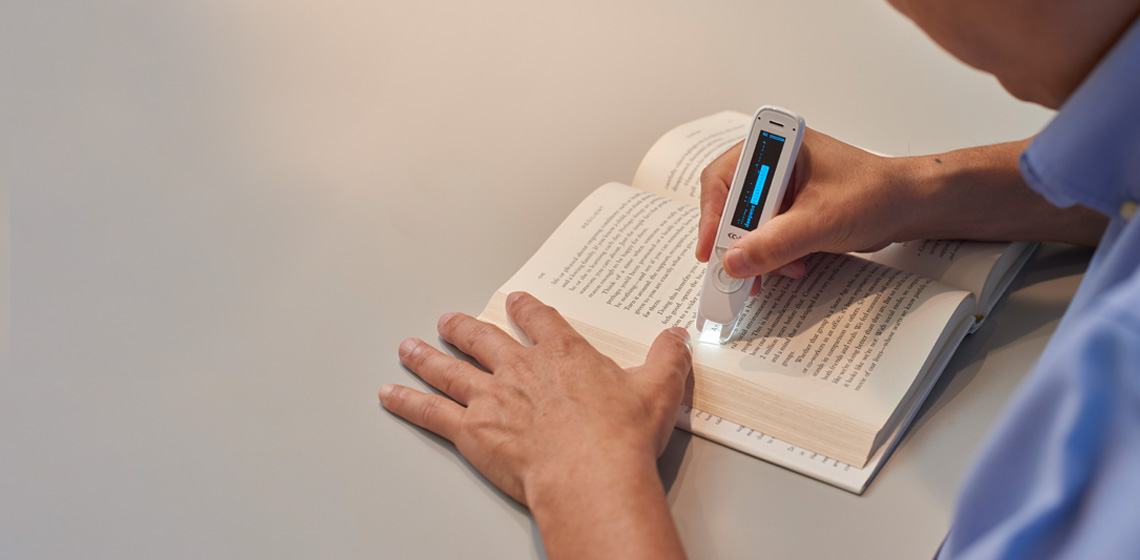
(978, 193)
(579, 472)
(605, 503)
(915, 184)
(954, 195)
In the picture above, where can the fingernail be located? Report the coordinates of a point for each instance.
(386, 390)
(444, 319)
(513, 297)
(408, 346)
(684, 335)
(788, 271)
(735, 264)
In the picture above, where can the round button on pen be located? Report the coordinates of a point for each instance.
(726, 283)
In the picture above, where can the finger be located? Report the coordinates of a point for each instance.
(458, 379)
(483, 341)
(716, 179)
(784, 239)
(670, 357)
(662, 380)
(539, 321)
(430, 412)
(795, 269)
(877, 247)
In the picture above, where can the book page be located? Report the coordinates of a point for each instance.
(850, 338)
(983, 268)
(672, 167)
(808, 462)
(812, 355)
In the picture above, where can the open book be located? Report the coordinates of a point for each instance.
(823, 373)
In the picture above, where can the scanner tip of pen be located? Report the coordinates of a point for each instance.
(713, 333)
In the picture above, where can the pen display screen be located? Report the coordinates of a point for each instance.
(758, 181)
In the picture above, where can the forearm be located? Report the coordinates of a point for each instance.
(978, 193)
(608, 505)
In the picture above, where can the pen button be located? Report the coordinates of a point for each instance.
(723, 281)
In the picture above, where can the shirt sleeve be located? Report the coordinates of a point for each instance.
(1060, 478)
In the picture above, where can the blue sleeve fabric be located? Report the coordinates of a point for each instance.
(1087, 154)
(1061, 477)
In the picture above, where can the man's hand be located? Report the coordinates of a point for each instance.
(557, 425)
(840, 199)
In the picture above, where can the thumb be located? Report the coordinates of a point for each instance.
(781, 241)
(671, 356)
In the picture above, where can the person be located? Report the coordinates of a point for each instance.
(565, 431)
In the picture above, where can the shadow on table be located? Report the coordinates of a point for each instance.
(669, 464)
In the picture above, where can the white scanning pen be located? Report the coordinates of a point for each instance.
(756, 194)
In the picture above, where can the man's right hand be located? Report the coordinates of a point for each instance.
(840, 199)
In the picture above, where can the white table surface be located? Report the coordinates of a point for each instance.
(225, 215)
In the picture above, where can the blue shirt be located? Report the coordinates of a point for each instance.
(1060, 476)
